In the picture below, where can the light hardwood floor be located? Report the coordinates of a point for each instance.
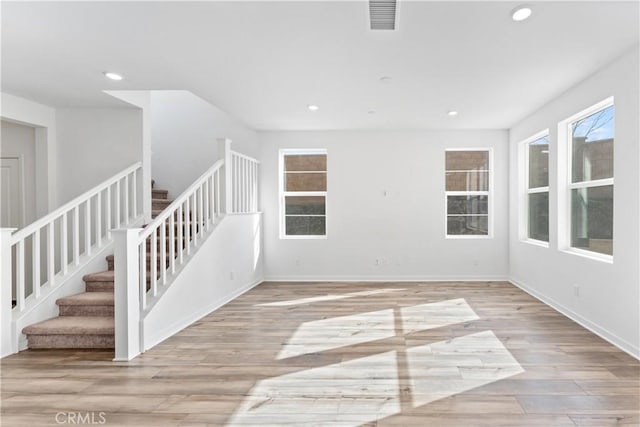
(347, 354)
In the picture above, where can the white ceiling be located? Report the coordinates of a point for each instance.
(264, 62)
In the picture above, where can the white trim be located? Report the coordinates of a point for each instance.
(525, 191)
(596, 256)
(489, 193)
(386, 279)
(565, 178)
(536, 242)
(603, 333)
(22, 215)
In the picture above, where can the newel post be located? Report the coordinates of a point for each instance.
(9, 340)
(224, 152)
(127, 293)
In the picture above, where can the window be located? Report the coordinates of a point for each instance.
(303, 193)
(591, 179)
(537, 166)
(468, 182)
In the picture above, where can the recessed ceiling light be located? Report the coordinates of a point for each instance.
(112, 76)
(521, 13)
(452, 113)
(312, 107)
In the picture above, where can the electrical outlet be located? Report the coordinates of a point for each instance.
(232, 275)
(576, 290)
(298, 263)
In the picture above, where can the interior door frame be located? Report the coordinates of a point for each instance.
(23, 202)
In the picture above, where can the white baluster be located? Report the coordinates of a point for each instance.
(163, 253)
(205, 202)
(99, 220)
(200, 212)
(127, 216)
(181, 229)
(172, 243)
(75, 235)
(142, 273)
(20, 275)
(134, 194)
(51, 255)
(35, 259)
(117, 205)
(107, 210)
(63, 244)
(153, 271)
(194, 231)
(87, 227)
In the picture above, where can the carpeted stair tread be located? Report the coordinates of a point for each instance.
(73, 325)
(159, 194)
(88, 298)
(102, 276)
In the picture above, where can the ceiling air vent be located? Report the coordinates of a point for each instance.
(382, 14)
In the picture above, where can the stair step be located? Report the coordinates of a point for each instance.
(72, 332)
(104, 281)
(87, 304)
(99, 282)
(160, 203)
(159, 194)
(110, 260)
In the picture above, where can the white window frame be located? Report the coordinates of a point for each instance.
(488, 193)
(526, 191)
(281, 189)
(565, 226)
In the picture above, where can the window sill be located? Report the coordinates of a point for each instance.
(466, 236)
(303, 237)
(535, 242)
(590, 255)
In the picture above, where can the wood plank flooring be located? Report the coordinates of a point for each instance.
(343, 354)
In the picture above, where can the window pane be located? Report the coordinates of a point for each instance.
(592, 219)
(467, 205)
(592, 146)
(539, 163)
(468, 181)
(467, 225)
(305, 162)
(304, 205)
(539, 216)
(305, 225)
(305, 181)
(467, 160)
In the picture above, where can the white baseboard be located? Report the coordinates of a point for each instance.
(603, 333)
(385, 279)
(177, 326)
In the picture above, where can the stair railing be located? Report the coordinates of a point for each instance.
(244, 171)
(37, 259)
(147, 260)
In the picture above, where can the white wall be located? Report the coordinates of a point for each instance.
(207, 282)
(43, 118)
(406, 228)
(609, 297)
(95, 144)
(184, 131)
(20, 141)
